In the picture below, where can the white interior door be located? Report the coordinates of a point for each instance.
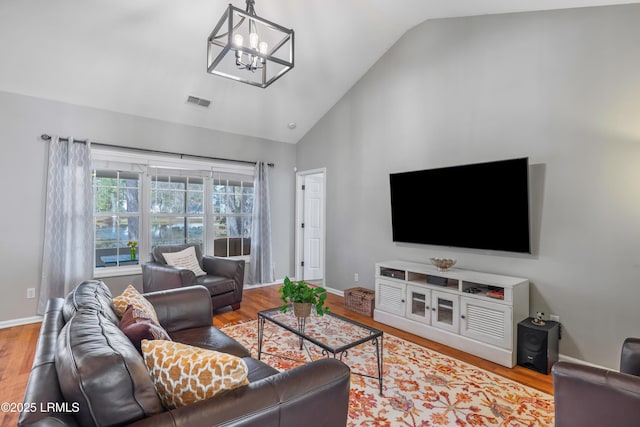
(311, 224)
(312, 231)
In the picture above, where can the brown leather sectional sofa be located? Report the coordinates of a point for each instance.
(103, 379)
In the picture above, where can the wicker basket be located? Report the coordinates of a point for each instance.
(360, 300)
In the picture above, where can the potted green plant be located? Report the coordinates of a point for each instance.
(303, 297)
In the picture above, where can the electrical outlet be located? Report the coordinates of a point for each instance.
(554, 318)
(356, 277)
(31, 293)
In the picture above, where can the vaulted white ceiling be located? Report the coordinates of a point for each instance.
(145, 57)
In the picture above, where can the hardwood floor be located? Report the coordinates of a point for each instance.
(17, 346)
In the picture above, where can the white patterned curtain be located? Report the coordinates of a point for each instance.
(261, 267)
(68, 241)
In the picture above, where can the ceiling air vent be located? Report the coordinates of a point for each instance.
(198, 101)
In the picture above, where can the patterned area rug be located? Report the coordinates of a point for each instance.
(421, 387)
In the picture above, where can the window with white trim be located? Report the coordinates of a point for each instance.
(117, 217)
(177, 210)
(232, 209)
(146, 200)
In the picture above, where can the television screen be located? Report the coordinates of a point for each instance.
(481, 206)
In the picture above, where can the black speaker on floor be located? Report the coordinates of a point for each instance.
(538, 345)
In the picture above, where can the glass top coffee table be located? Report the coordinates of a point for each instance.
(333, 333)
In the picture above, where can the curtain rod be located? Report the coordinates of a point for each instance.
(46, 137)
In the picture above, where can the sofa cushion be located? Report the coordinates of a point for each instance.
(217, 284)
(210, 338)
(131, 296)
(101, 370)
(183, 374)
(138, 326)
(92, 294)
(185, 258)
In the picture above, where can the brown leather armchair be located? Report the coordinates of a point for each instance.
(586, 396)
(224, 279)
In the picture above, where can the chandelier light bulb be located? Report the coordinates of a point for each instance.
(263, 47)
(253, 40)
(237, 42)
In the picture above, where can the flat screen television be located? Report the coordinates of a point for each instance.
(480, 206)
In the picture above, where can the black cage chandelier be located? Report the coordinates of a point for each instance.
(249, 49)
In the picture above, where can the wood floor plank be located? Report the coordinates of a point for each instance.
(17, 346)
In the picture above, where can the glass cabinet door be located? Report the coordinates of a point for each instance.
(419, 303)
(445, 311)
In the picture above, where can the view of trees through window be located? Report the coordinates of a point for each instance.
(117, 216)
(176, 212)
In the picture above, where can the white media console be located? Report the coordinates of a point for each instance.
(472, 311)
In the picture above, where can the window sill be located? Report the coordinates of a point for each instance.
(100, 273)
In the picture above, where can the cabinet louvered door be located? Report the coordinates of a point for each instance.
(390, 296)
(486, 321)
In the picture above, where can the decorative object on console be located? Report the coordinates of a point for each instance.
(443, 264)
(243, 43)
(300, 292)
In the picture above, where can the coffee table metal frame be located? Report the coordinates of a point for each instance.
(375, 337)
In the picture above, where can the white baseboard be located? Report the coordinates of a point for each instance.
(261, 285)
(335, 291)
(20, 322)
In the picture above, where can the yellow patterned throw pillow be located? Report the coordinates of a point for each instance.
(183, 374)
(131, 296)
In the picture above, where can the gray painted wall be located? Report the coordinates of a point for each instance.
(23, 174)
(560, 87)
